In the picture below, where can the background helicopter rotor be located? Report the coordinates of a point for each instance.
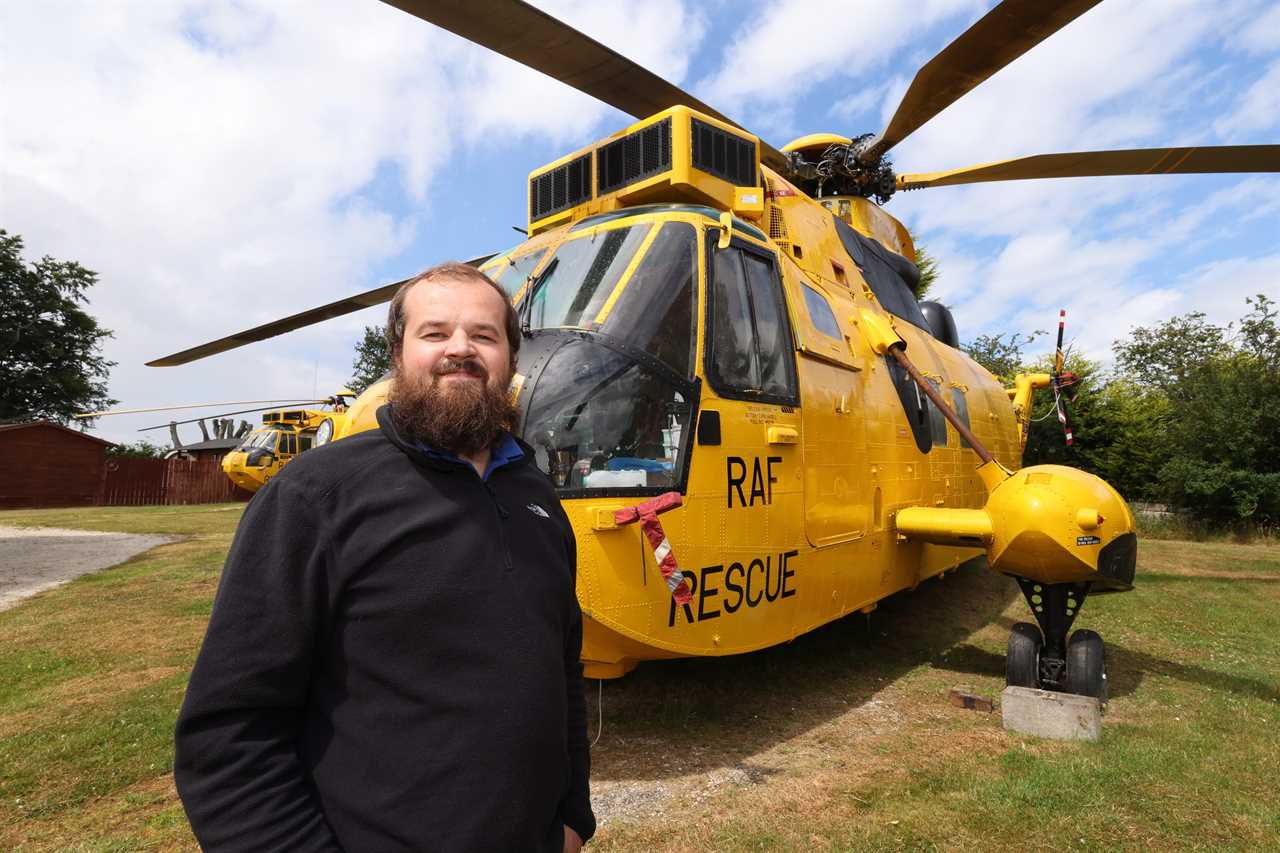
(275, 404)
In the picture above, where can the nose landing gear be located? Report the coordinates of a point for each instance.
(1043, 657)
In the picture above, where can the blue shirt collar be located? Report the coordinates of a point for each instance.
(505, 451)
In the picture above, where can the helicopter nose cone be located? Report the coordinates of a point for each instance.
(1061, 525)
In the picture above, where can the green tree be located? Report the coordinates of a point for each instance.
(51, 364)
(928, 266)
(1004, 359)
(141, 449)
(1221, 448)
(373, 359)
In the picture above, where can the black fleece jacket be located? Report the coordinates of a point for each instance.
(392, 662)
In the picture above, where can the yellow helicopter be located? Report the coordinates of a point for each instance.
(284, 434)
(754, 426)
(254, 456)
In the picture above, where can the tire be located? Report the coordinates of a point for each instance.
(1087, 665)
(1022, 664)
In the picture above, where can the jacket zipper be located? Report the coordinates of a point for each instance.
(503, 515)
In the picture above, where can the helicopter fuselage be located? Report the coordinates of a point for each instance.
(714, 350)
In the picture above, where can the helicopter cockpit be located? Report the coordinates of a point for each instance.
(610, 317)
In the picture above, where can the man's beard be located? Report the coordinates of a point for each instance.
(460, 416)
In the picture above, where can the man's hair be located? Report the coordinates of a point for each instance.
(455, 271)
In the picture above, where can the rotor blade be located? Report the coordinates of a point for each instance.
(533, 38)
(191, 406)
(375, 296)
(998, 38)
(1134, 161)
(226, 415)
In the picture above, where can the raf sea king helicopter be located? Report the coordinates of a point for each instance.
(255, 455)
(723, 347)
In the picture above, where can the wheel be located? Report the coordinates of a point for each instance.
(1087, 665)
(1022, 665)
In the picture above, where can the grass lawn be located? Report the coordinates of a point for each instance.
(841, 740)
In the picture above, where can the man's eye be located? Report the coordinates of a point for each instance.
(488, 339)
(433, 336)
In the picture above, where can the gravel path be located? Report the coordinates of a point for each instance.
(33, 559)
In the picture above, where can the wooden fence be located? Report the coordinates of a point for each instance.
(137, 482)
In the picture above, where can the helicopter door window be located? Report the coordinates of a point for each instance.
(914, 405)
(773, 332)
(733, 352)
(656, 309)
(937, 421)
(961, 406)
(751, 354)
(288, 443)
(820, 313)
(305, 441)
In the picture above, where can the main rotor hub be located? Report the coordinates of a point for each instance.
(838, 169)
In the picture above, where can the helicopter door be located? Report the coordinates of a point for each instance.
(748, 449)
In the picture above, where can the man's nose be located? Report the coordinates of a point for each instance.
(459, 345)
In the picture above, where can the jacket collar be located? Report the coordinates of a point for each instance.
(420, 455)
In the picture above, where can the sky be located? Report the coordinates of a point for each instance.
(223, 164)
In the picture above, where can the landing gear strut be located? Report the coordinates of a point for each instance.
(1043, 657)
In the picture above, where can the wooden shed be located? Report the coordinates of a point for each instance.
(47, 464)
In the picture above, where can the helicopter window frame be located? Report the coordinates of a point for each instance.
(628, 311)
(689, 388)
(635, 239)
(511, 260)
(728, 390)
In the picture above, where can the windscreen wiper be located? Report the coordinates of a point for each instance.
(531, 290)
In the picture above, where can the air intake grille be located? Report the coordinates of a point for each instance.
(636, 155)
(561, 188)
(777, 222)
(723, 154)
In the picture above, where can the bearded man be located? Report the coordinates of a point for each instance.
(392, 661)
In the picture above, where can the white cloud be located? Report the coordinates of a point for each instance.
(213, 161)
(1258, 108)
(797, 46)
(1262, 34)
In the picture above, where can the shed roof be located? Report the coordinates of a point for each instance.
(68, 430)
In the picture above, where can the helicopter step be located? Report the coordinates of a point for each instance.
(1043, 657)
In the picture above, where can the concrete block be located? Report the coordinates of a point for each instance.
(1044, 713)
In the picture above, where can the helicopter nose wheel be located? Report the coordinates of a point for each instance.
(1043, 657)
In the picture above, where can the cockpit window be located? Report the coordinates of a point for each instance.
(580, 276)
(656, 310)
(513, 271)
(265, 439)
(599, 420)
